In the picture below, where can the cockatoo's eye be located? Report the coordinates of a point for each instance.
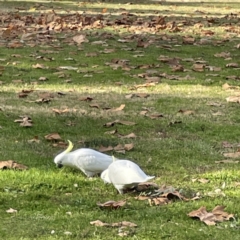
(59, 165)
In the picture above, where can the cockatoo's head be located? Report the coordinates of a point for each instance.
(105, 177)
(58, 160)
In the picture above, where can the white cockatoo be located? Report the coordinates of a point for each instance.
(124, 174)
(89, 161)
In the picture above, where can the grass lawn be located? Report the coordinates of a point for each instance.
(67, 66)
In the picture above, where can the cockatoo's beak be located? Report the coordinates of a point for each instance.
(59, 165)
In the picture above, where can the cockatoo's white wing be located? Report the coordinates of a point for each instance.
(90, 160)
(125, 172)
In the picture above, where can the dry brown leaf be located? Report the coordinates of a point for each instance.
(94, 105)
(119, 147)
(124, 224)
(58, 111)
(11, 210)
(118, 224)
(40, 66)
(128, 146)
(233, 65)
(211, 218)
(152, 79)
(130, 135)
(144, 112)
(141, 198)
(177, 68)
(60, 144)
(142, 95)
(53, 137)
(156, 116)
(151, 84)
(226, 86)
(112, 204)
(27, 90)
(203, 216)
(43, 100)
(198, 67)
(99, 223)
(235, 99)
(188, 40)
(25, 123)
(203, 180)
(43, 79)
(158, 201)
(232, 155)
(226, 161)
(112, 132)
(86, 99)
(10, 164)
(186, 112)
(173, 195)
(22, 95)
(111, 124)
(146, 186)
(79, 39)
(105, 149)
(223, 54)
(120, 108)
(35, 139)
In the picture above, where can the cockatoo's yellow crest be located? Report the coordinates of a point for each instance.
(70, 147)
(113, 158)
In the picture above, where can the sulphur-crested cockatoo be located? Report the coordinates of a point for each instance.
(89, 161)
(124, 174)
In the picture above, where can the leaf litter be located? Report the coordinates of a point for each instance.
(211, 218)
(57, 22)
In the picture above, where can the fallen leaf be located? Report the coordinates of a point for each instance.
(226, 161)
(86, 99)
(99, 223)
(118, 224)
(53, 137)
(120, 108)
(186, 112)
(232, 65)
(94, 105)
(156, 116)
(43, 79)
(130, 135)
(79, 39)
(40, 66)
(211, 218)
(142, 95)
(203, 180)
(158, 201)
(111, 124)
(128, 146)
(35, 139)
(10, 164)
(58, 111)
(232, 155)
(11, 210)
(112, 204)
(235, 99)
(111, 132)
(198, 67)
(105, 149)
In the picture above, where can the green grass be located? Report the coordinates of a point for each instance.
(175, 148)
